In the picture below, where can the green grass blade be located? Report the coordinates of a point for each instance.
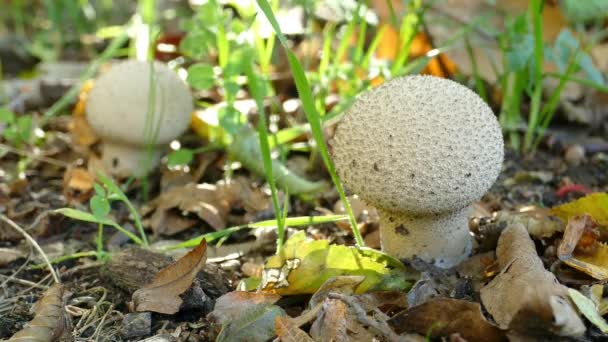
(299, 221)
(257, 92)
(312, 115)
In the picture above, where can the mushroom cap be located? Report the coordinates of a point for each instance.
(117, 106)
(420, 145)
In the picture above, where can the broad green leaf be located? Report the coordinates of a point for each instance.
(588, 309)
(6, 116)
(100, 207)
(201, 76)
(582, 11)
(595, 204)
(24, 126)
(180, 157)
(304, 265)
(99, 190)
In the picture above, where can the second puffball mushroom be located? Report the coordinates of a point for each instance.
(134, 119)
(420, 149)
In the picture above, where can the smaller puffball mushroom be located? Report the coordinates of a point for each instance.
(129, 117)
(420, 149)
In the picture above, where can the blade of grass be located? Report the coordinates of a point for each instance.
(536, 7)
(312, 115)
(257, 92)
(289, 221)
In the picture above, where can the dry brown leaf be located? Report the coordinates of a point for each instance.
(50, 322)
(288, 331)
(230, 305)
(163, 294)
(442, 317)
(580, 248)
(211, 203)
(525, 297)
(332, 322)
(78, 184)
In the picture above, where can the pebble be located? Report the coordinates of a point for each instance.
(137, 324)
(574, 154)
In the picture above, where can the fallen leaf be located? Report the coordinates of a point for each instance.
(303, 266)
(50, 322)
(595, 204)
(251, 323)
(211, 203)
(588, 309)
(332, 323)
(229, 306)
(162, 295)
(525, 297)
(288, 331)
(580, 235)
(78, 184)
(445, 316)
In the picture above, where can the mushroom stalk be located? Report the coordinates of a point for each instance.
(139, 159)
(442, 239)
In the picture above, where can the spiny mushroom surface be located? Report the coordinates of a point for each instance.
(117, 109)
(420, 149)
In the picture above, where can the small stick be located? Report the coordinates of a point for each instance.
(31, 240)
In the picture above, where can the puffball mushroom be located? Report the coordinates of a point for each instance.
(420, 149)
(117, 110)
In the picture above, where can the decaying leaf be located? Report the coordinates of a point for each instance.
(580, 248)
(588, 309)
(50, 322)
(525, 297)
(303, 266)
(596, 205)
(211, 203)
(78, 184)
(446, 316)
(162, 295)
(246, 316)
(229, 306)
(288, 331)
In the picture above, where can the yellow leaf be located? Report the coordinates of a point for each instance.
(303, 266)
(595, 204)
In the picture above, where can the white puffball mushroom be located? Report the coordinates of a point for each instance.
(129, 118)
(421, 149)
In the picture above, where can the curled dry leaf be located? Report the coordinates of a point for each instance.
(580, 248)
(525, 297)
(445, 316)
(210, 202)
(50, 322)
(229, 306)
(163, 294)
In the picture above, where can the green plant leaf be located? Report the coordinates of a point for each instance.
(180, 157)
(201, 76)
(83, 216)
(100, 207)
(6, 116)
(99, 190)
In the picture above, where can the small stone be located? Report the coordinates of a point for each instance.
(137, 324)
(574, 154)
